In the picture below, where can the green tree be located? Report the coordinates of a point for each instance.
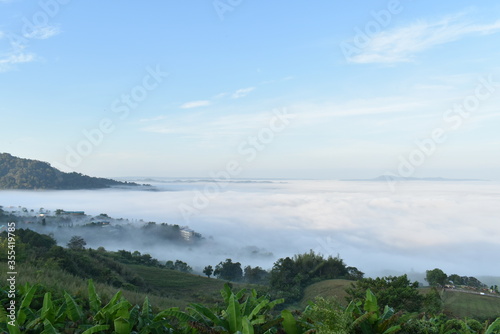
(473, 282)
(208, 270)
(76, 242)
(436, 277)
(396, 291)
(182, 266)
(354, 274)
(455, 279)
(289, 276)
(169, 264)
(229, 270)
(256, 275)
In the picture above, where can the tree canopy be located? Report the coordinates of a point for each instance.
(76, 243)
(396, 291)
(229, 270)
(290, 276)
(436, 277)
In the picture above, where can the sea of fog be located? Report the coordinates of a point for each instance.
(377, 227)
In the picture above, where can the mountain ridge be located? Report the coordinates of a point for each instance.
(29, 174)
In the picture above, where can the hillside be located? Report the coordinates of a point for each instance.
(40, 260)
(333, 288)
(455, 303)
(462, 304)
(19, 173)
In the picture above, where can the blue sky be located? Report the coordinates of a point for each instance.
(330, 89)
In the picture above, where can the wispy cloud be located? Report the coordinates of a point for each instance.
(401, 44)
(242, 92)
(153, 119)
(17, 53)
(220, 95)
(222, 125)
(7, 61)
(210, 130)
(43, 32)
(195, 104)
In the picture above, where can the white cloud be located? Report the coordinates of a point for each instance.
(224, 128)
(195, 104)
(401, 44)
(153, 119)
(242, 92)
(8, 61)
(17, 54)
(220, 95)
(43, 32)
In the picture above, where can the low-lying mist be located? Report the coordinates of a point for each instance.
(418, 226)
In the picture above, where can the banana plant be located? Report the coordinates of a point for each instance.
(369, 319)
(494, 328)
(49, 318)
(244, 313)
(123, 318)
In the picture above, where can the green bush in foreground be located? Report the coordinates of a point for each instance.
(38, 311)
(244, 312)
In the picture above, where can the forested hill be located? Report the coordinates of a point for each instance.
(18, 173)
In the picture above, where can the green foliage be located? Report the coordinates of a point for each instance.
(395, 291)
(242, 312)
(436, 277)
(370, 320)
(290, 276)
(494, 328)
(256, 275)
(208, 270)
(327, 316)
(17, 173)
(433, 304)
(76, 243)
(94, 300)
(38, 248)
(182, 266)
(229, 270)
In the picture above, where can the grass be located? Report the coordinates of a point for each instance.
(457, 304)
(327, 289)
(57, 280)
(462, 305)
(167, 288)
(180, 286)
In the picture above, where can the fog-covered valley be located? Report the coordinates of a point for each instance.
(410, 228)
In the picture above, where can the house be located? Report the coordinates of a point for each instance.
(187, 233)
(74, 213)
